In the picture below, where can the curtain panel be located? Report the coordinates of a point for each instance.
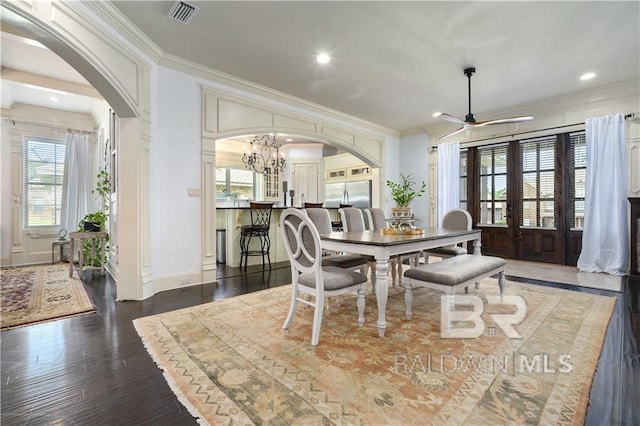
(77, 183)
(448, 178)
(605, 236)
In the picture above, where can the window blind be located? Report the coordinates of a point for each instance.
(492, 177)
(577, 178)
(538, 189)
(43, 177)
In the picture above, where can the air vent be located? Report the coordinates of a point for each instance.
(183, 12)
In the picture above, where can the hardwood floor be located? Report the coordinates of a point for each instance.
(94, 369)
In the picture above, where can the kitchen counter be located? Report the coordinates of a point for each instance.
(232, 219)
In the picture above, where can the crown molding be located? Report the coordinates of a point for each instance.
(284, 99)
(123, 26)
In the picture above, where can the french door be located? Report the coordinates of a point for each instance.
(527, 196)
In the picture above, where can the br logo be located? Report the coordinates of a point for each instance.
(452, 313)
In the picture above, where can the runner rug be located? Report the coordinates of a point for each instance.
(35, 294)
(229, 362)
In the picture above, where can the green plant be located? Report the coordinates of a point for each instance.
(403, 192)
(91, 251)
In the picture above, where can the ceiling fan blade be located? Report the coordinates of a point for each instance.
(451, 118)
(455, 132)
(505, 121)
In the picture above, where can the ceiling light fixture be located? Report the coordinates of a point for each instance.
(437, 114)
(264, 156)
(587, 76)
(323, 58)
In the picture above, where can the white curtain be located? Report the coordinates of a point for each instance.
(77, 200)
(448, 178)
(605, 237)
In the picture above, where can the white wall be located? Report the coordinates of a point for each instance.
(175, 159)
(414, 158)
(5, 198)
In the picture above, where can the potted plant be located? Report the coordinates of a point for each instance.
(403, 193)
(97, 221)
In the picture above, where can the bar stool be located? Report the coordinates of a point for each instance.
(259, 228)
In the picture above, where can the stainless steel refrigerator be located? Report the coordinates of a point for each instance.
(357, 193)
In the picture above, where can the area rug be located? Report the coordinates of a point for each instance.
(33, 294)
(229, 362)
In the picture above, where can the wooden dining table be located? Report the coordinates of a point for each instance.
(383, 246)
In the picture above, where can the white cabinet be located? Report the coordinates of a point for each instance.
(272, 186)
(336, 174)
(345, 167)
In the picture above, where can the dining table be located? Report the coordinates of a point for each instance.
(383, 245)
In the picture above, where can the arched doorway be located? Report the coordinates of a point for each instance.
(122, 78)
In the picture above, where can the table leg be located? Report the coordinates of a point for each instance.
(102, 244)
(80, 257)
(382, 292)
(476, 246)
(71, 256)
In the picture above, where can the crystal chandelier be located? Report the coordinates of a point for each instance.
(264, 155)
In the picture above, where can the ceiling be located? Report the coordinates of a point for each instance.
(393, 63)
(34, 75)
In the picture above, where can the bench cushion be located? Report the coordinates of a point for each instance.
(455, 270)
(448, 251)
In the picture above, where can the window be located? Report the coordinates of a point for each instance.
(493, 184)
(234, 183)
(463, 179)
(537, 160)
(577, 177)
(43, 177)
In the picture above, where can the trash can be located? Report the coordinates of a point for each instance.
(221, 246)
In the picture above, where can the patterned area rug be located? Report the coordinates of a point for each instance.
(40, 293)
(230, 362)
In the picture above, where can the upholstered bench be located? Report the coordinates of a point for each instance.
(451, 274)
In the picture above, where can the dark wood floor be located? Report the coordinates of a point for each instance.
(94, 370)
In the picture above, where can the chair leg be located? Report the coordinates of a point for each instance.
(360, 303)
(502, 282)
(317, 321)
(293, 306)
(268, 251)
(243, 249)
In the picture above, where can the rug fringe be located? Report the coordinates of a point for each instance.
(172, 384)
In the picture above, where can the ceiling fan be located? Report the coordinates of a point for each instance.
(470, 121)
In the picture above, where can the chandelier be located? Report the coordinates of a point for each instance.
(264, 155)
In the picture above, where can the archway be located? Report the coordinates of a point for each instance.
(122, 78)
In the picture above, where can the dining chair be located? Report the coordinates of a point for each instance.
(322, 221)
(376, 217)
(453, 219)
(353, 221)
(308, 276)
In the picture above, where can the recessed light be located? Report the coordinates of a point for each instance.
(587, 76)
(437, 114)
(323, 58)
(289, 140)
